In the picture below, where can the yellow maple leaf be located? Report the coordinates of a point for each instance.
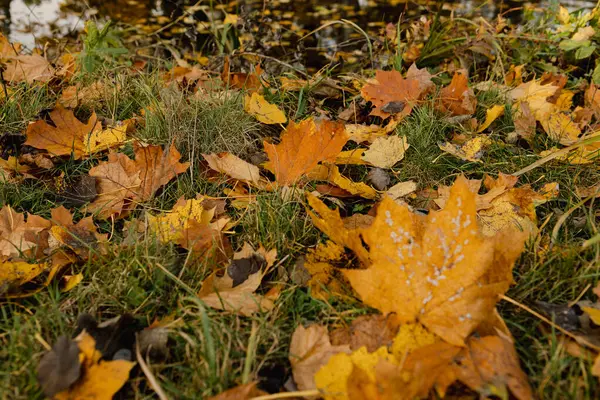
(332, 378)
(262, 110)
(172, 225)
(101, 379)
(561, 128)
(19, 272)
(434, 270)
(105, 139)
(385, 152)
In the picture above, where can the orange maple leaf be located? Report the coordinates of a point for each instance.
(303, 146)
(66, 137)
(121, 181)
(157, 168)
(437, 270)
(457, 98)
(80, 237)
(392, 87)
(16, 235)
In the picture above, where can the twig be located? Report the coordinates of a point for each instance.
(572, 303)
(563, 218)
(149, 375)
(578, 339)
(557, 154)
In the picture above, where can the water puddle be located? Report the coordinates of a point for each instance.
(187, 24)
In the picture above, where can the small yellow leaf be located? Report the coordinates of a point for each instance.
(233, 166)
(101, 379)
(231, 19)
(106, 138)
(351, 157)
(364, 133)
(563, 15)
(356, 188)
(71, 281)
(401, 189)
(561, 128)
(19, 272)
(385, 152)
(332, 379)
(170, 226)
(472, 150)
(491, 115)
(594, 314)
(264, 111)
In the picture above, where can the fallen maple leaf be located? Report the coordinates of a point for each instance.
(303, 146)
(233, 166)
(418, 362)
(391, 87)
(325, 280)
(310, 350)
(401, 189)
(370, 331)
(423, 77)
(224, 293)
(435, 270)
(240, 80)
(262, 110)
(457, 98)
(503, 206)
(65, 137)
(70, 136)
(386, 152)
(16, 273)
(121, 181)
(117, 182)
(72, 96)
(8, 49)
(189, 224)
(187, 75)
(101, 379)
(364, 133)
(11, 168)
(28, 68)
(18, 236)
(81, 238)
(491, 365)
(156, 167)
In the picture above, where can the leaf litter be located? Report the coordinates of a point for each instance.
(420, 259)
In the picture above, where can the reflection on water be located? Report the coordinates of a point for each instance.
(26, 21)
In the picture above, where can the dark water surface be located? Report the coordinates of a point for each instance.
(32, 21)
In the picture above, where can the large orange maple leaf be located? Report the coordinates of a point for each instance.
(392, 87)
(436, 270)
(303, 146)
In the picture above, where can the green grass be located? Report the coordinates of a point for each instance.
(211, 351)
